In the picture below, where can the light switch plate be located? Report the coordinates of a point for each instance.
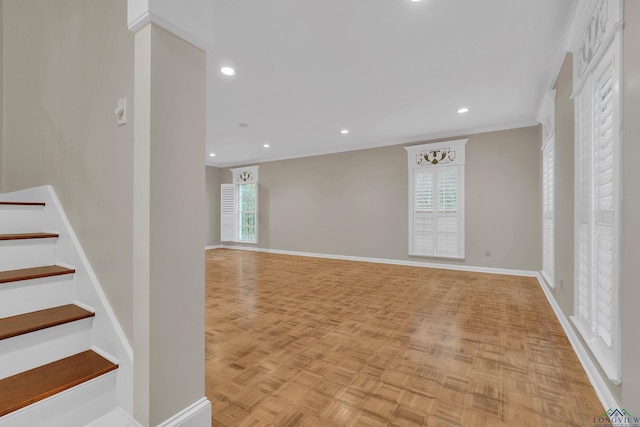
(121, 111)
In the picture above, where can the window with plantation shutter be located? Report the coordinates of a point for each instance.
(436, 199)
(239, 207)
(546, 117)
(597, 170)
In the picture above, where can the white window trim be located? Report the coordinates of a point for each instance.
(416, 160)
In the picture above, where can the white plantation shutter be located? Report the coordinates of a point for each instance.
(447, 218)
(227, 212)
(546, 116)
(583, 209)
(603, 199)
(598, 120)
(424, 223)
(436, 199)
(548, 252)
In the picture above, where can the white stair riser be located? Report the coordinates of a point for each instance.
(38, 348)
(21, 219)
(75, 407)
(38, 294)
(17, 254)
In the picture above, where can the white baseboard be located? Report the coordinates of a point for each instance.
(459, 267)
(213, 247)
(595, 378)
(195, 415)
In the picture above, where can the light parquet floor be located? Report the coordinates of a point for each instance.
(295, 341)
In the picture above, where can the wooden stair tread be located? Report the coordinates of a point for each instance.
(33, 273)
(24, 236)
(42, 319)
(31, 386)
(22, 203)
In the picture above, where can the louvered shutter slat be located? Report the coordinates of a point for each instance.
(583, 203)
(424, 231)
(448, 232)
(227, 212)
(603, 204)
(423, 227)
(548, 227)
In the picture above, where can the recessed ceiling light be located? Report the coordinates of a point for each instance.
(212, 154)
(228, 71)
(266, 146)
(463, 110)
(344, 131)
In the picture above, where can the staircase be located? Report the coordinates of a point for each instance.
(53, 369)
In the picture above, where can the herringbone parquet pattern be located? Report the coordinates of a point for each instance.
(294, 341)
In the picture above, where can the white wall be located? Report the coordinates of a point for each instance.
(356, 203)
(564, 187)
(168, 225)
(1, 97)
(66, 63)
(630, 244)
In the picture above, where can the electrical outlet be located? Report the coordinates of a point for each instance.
(487, 252)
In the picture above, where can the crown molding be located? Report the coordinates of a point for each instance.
(581, 14)
(149, 17)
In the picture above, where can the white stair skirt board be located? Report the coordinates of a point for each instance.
(196, 415)
(37, 294)
(21, 219)
(597, 381)
(17, 254)
(28, 351)
(75, 407)
(116, 418)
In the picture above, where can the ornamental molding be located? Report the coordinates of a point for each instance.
(594, 35)
(591, 38)
(436, 154)
(246, 175)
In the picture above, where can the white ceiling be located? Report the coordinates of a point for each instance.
(390, 71)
